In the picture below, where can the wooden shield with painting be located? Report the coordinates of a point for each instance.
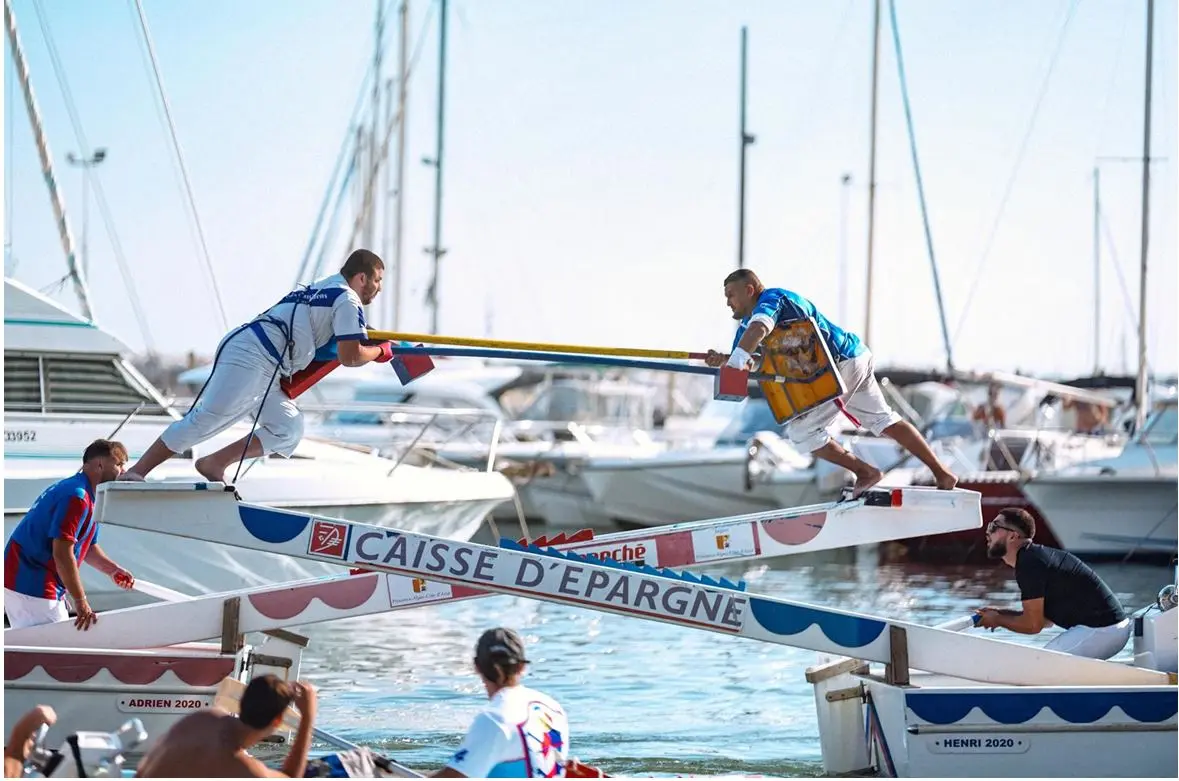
(806, 374)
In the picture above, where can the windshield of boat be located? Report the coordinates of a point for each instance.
(1163, 429)
(596, 402)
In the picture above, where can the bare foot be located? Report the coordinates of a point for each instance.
(209, 472)
(865, 479)
(946, 481)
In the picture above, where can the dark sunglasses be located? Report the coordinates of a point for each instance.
(993, 525)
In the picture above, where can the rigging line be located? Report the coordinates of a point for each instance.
(315, 236)
(163, 126)
(1023, 146)
(329, 231)
(417, 49)
(99, 195)
(320, 233)
(384, 149)
(208, 264)
(1107, 234)
(937, 286)
(10, 89)
(1102, 117)
(819, 77)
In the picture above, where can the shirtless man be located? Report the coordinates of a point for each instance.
(212, 743)
(20, 740)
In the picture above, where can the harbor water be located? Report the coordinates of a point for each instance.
(644, 697)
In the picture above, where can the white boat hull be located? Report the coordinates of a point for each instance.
(413, 499)
(947, 728)
(564, 501)
(1108, 515)
(942, 726)
(97, 689)
(652, 492)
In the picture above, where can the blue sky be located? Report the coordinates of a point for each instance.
(591, 166)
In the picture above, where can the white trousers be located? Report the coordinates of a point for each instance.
(1092, 642)
(23, 610)
(863, 399)
(239, 381)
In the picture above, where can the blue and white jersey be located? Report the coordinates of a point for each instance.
(776, 305)
(326, 312)
(520, 734)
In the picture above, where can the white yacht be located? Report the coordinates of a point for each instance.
(1121, 505)
(547, 424)
(67, 382)
(709, 479)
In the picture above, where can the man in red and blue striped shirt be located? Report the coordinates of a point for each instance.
(57, 534)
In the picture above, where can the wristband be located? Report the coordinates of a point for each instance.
(739, 359)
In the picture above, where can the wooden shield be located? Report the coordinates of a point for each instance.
(796, 352)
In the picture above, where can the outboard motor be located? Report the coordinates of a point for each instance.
(85, 754)
(1156, 633)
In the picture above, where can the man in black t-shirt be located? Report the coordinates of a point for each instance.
(1056, 588)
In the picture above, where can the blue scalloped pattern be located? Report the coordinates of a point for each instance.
(674, 574)
(787, 619)
(1148, 707)
(270, 526)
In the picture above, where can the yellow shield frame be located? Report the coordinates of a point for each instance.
(806, 375)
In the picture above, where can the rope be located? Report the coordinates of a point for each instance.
(99, 193)
(1023, 145)
(937, 285)
(1113, 256)
(329, 233)
(208, 264)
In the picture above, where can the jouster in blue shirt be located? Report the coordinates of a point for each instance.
(760, 310)
(65, 511)
(776, 305)
(57, 534)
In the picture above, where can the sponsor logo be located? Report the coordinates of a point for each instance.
(727, 542)
(581, 582)
(407, 591)
(640, 552)
(328, 539)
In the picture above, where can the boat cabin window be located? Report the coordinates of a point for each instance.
(1163, 429)
(72, 383)
(593, 403)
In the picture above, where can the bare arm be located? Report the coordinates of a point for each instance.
(98, 559)
(67, 570)
(447, 772)
(352, 353)
(1029, 621)
(754, 333)
(305, 700)
(18, 747)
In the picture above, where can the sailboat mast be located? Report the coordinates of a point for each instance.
(77, 276)
(1096, 270)
(375, 157)
(437, 250)
(402, 74)
(745, 140)
(872, 174)
(1141, 389)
